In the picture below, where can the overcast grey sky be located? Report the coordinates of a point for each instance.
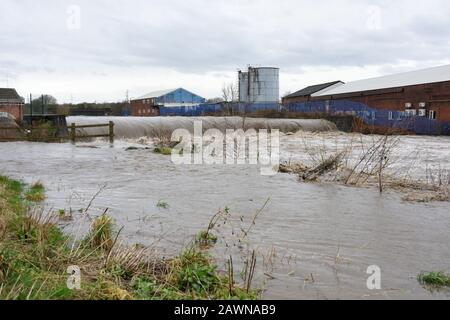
(96, 50)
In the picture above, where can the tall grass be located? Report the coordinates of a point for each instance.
(35, 255)
(36, 192)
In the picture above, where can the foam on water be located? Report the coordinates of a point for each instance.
(137, 127)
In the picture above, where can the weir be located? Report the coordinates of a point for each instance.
(136, 127)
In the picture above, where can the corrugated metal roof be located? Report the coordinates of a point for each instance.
(312, 89)
(157, 94)
(431, 75)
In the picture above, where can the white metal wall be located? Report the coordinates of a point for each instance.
(243, 87)
(259, 85)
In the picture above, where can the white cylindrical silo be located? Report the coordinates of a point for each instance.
(243, 86)
(260, 85)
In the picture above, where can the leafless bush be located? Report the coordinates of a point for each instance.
(438, 178)
(373, 161)
(370, 161)
(161, 136)
(329, 164)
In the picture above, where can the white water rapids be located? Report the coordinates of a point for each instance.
(137, 127)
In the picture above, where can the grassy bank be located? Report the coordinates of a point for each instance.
(35, 256)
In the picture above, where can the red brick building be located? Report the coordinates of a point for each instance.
(423, 93)
(144, 108)
(11, 103)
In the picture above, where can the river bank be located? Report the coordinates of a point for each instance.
(39, 261)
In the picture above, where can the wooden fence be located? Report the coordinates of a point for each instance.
(27, 134)
(74, 127)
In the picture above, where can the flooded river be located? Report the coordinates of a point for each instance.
(313, 241)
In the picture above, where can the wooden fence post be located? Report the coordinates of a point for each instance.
(111, 132)
(73, 132)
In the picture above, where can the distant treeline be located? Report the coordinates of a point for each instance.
(88, 109)
(95, 109)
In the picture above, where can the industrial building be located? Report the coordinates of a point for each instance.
(424, 93)
(259, 85)
(11, 103)
(305, 94)
(150, 104)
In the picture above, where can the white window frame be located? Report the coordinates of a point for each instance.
(432, 115)
(411, 112)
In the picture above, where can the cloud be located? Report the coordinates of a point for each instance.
(112, 46)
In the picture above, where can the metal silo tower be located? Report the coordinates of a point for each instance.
(259, 85)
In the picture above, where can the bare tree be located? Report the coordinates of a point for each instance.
(230, 94)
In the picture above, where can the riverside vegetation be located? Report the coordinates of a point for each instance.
(35, 255)
(435, 279)
(367, 169)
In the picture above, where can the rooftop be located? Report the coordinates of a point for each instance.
(9, 95)
(312, 89)
(157, 94)
(431, 75)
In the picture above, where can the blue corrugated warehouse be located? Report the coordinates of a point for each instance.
(151, 103)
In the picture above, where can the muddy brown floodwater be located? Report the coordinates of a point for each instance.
(313, 241)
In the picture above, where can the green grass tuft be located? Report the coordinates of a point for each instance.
(162, 205)
(163, 150)
(436, 279)
(36, 193)
(206, 239)
(101, 235)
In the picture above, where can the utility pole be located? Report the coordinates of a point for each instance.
(42, 108)
(31, 107)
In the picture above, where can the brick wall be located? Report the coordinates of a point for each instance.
(143, 108)
(286, 100)
(15, 110)
(435, 95)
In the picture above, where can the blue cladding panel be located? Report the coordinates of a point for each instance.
(190, 111)
(216, 108)
(180, 96)
(382, 118)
